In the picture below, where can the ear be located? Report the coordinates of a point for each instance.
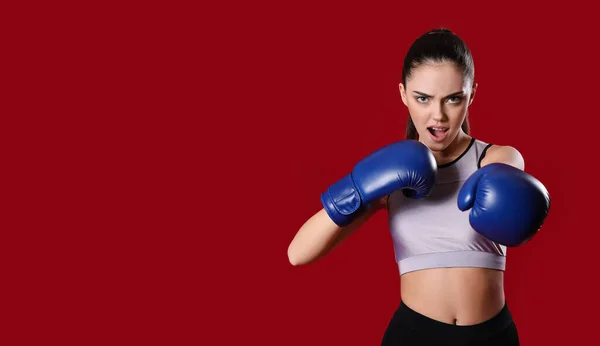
(473, 93)
(403, 94)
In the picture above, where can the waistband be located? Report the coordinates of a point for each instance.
(440, 331)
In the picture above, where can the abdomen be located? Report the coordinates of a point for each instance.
(462, 296)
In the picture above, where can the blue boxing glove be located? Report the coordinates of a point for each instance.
(407, 164)
(508, 206)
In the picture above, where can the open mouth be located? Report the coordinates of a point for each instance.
(438, 133)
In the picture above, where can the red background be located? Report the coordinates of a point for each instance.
(160, 157)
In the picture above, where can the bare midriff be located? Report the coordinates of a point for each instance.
(460, 296)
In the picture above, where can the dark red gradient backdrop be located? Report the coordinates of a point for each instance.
(160, 158)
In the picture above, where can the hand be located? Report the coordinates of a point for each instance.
(508, 206)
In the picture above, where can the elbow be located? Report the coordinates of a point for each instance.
(297, 257)
(292, 257)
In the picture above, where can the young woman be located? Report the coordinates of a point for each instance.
(454, 203)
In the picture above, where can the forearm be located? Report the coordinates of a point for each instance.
(319, 235)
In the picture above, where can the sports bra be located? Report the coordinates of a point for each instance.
(432, 232)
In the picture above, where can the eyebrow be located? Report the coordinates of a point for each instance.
(425, 95)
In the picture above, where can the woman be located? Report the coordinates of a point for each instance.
(449, 245)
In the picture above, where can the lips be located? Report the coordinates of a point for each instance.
(437, 133)
(437, 128)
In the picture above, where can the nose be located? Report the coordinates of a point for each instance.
(437, 113)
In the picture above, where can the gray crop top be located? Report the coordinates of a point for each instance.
(433, 232)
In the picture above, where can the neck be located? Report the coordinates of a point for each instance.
(457, 147)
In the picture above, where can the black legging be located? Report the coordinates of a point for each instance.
(407, 327)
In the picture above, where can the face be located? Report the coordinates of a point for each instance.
(438, 96)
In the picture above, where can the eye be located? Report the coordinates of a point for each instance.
(421, 99)
(455, 99)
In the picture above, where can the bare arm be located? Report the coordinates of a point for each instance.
(319, 235)
(504, 154)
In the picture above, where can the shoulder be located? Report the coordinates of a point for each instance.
(503, 154)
